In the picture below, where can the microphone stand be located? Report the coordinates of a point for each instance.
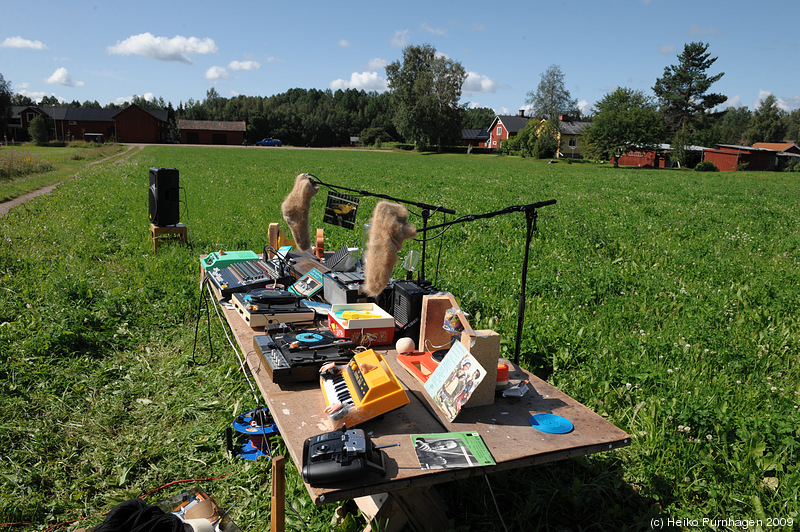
(426, 209)
(530, 223)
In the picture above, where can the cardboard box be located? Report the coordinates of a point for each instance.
(367, 331)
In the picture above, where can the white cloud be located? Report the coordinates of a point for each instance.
(788, 104)
(244, 65)
(19, 42)
(733, 101)
(376, 63)
(148, 96)
(177, 48)
(785, 104)
(344, 43)
(61, 77)
(478, 84)
(667, 49)
(584, 107)
(400, 39)
(216, 73)
(36, 96)
(368, 81)
(434, 31)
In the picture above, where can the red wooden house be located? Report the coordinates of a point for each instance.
(132, 124)
(505, 126)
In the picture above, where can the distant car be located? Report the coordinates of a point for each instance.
(269, 142)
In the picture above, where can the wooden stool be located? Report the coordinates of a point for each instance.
(169, 232)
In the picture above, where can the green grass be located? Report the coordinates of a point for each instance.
(667, 301)
(51, 165)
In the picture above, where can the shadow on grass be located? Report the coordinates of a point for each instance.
(587, 493)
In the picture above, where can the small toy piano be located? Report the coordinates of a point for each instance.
(362, 389)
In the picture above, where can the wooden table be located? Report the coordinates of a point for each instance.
(406, 493)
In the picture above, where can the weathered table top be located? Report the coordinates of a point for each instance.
(504, 426)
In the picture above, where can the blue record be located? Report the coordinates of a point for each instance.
(551, 423)
(309, 337)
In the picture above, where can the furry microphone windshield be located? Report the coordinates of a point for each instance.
(390, 228)
(296, 209)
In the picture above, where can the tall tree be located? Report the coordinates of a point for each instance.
(5, 103)
(767, 123)
(684, 88)
(624, 120)
(551, 98)
(426, 89)
(733, 125)
(478, 118)
(792, 122)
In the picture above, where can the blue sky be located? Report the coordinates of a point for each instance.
(177, 50)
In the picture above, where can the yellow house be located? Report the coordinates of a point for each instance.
(570, 144)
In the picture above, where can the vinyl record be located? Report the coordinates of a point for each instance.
(551, 423)
(309, 337)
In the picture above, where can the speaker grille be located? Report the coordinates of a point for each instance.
(164, 196)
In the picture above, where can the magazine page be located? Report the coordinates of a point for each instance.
(451, 384)
(451, 450)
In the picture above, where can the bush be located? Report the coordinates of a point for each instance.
(792, 166)
(706, 166)
(38, 131)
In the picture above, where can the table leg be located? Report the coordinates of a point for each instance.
(422, 509)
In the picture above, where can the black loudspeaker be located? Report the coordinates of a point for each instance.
(164, 196)
(407, 306)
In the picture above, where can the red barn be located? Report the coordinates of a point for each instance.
(135, 124)
(211, 132)
(730, 157)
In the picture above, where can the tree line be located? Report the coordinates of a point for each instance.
(303, 117)
(422, 109)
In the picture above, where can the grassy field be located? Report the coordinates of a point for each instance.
(26, 167)
(667, 301)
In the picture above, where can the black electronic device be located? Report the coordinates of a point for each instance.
(270, 306)
(407, 306)
(241, 277)
(299, 263)
(297, 356)
(341, 261)
(339, 456)
(271, 296)
(164, 196)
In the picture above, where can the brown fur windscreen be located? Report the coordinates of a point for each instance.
(296, 209)
(390, 228)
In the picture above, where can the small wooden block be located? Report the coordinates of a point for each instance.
(485, 347)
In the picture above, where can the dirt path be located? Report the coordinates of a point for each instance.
(19, 200)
